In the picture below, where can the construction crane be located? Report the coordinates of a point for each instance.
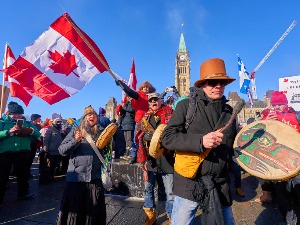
(254, 95)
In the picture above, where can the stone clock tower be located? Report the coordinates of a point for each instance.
(110, 108)
(182, 69)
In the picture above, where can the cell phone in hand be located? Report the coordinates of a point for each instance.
(20, 123)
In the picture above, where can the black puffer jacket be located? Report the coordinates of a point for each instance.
(206, 120)
(52, 140)
(128, 122)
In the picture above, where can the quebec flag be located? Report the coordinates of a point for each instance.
(244, 77)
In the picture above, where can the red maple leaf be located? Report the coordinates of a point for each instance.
(285, 80)
(63, 64)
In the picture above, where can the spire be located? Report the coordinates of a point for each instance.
(182, 47)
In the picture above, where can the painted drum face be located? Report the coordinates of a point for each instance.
(269, 150)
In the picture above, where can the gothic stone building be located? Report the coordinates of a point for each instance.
(248, 111)
(182, 68)
(110, 108)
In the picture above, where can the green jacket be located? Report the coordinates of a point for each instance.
(15, 143)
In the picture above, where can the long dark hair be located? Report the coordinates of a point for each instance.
(85, 128)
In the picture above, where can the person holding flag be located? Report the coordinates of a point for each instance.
(139, 100)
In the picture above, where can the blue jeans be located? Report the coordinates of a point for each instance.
(184, 211)
(133, 150)
(149, 191)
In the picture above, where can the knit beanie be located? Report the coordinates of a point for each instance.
(35, 116)
(88, 110)
(14, 108)
(102, 111)
(278, 98)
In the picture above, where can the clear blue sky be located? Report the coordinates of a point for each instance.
(149, 31)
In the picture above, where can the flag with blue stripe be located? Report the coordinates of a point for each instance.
(244, 77)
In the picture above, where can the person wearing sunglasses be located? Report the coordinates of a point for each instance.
(210, 113)
(163, 166)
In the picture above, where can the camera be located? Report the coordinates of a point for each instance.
(20, 123)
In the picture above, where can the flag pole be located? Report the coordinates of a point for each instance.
(3, 80)
(90, 46)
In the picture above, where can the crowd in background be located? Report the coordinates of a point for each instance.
(54, 141)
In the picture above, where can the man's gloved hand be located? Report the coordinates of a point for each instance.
(24, 131)
(117, 82)
(148, 136)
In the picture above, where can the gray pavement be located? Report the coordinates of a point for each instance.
(123, 210)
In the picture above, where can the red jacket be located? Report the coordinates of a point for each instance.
(140, 105)
(287, 116)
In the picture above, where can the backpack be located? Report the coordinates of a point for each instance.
(190, 114)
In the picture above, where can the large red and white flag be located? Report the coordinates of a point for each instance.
(16, 90)
(59, 63)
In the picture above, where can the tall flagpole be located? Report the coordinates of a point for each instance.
(90, 46)
(3, 80)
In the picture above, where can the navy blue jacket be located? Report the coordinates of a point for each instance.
(128, 122)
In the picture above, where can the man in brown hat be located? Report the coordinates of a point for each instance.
(210, 189)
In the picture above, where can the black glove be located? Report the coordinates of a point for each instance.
(117, 82)
(148, 136)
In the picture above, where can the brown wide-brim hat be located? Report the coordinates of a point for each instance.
(213, 69)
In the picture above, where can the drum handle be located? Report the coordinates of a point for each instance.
(236, 110)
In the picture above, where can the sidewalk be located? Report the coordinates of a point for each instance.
(123, 210)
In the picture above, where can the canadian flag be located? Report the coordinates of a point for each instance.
(16, 90)
(132, 78)
(59, 63)
(132, 81)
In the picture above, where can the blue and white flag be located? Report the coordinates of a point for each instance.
(244, 77)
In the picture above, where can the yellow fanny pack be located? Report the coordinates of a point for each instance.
(187, 163)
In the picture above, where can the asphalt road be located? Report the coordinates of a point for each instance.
(123, 210)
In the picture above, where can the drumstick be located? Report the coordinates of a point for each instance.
(237, 108)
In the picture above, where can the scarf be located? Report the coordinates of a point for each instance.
(206, 194)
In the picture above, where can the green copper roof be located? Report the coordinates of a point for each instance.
(182, 47)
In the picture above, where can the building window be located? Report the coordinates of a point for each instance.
(184, 84)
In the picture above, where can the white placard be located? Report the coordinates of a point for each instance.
(291, 87)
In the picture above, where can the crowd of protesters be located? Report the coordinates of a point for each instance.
(63, 148)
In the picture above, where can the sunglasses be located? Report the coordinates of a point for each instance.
(153, 99)
(214, 83)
